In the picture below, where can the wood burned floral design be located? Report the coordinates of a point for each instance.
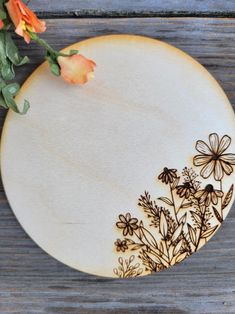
(127, 268)
(121, 245)
(213, 158)
(182, 221)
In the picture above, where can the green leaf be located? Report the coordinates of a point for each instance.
(2, 84)
(13, 88)
(73, 52)
(3, 56)
(2, 13)
(8, 92)
(55, 69)
(26, 107)
(7, 71)
(49, 58)
(12, 52)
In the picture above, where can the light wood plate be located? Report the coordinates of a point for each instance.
(129, 174)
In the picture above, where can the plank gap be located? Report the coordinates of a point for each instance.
(133, 14)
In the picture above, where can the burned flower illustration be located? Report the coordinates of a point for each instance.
(208, 195)
(213, 158)
(184, 220)
(121, 245)
(168, 175)
(127, 223)
(185, 190)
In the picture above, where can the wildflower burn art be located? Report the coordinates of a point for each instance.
(181, 222)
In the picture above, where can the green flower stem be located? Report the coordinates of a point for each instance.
(43, 43)
(48, 48)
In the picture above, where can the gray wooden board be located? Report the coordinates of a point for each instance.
(134, 7)
(33, 282)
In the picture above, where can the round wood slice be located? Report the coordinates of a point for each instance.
(130, 173)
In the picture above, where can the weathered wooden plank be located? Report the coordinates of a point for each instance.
(134, 8)
(210, 41)
(33, 282)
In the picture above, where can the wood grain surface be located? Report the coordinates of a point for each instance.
(33, 282)
(134, 7)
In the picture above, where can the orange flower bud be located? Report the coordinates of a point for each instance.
(24, 19)
(76, 69)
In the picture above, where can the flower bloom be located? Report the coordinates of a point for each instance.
(121, 245)
(24, 19)
(76, 69)
(212, 157)
(128, 224)
(1, 24)
(168, 175)
(185, 190)
(208, 195)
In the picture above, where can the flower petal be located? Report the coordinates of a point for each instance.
(219, 193)
(208, 199)
(14, 12)
(130, 231)
(165, 178)
(125, 231)
(76, 68)
(201, 160)
(228, 169)
(128, 217)
(122, 218)
(208, 169)
(133, 221)
(229, 158)
(1, 24)
(19, 12)
(134, 227)
(224, 144)
(218, 172)
(121, 225)
(203, 148)
(214, 142)
(199, 194)
(214, 198)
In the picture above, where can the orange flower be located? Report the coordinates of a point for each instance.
(1, 24)
(24, 19)
(76, 69)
